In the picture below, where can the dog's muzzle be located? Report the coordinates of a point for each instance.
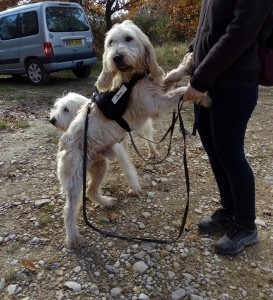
(118, 60)
(53, 121)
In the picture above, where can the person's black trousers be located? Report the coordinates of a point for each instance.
(222, 130)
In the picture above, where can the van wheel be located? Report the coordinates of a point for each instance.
(36, 73)
(83, 72)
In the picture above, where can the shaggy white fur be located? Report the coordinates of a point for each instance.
(127, 51)
(65, 110)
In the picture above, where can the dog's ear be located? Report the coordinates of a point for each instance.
(105, 80)
(155, 70)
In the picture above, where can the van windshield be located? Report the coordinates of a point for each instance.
(66, 19)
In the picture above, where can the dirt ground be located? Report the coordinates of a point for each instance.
(34, 260)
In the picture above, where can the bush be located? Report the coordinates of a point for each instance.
(153, 27)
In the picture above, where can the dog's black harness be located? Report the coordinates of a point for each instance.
(113, 104)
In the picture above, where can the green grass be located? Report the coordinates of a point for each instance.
(10, 276)
(22, 124)
(8, 125)
(44, 217)
(44, 220)
(4, 124)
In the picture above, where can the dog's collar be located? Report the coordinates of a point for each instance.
(113, 104)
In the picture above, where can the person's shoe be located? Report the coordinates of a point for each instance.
(236, 239)
(219, 220)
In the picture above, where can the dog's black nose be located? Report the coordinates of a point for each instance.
(118, 58)
(52, 121)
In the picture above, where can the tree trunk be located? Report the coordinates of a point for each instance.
(108, 14)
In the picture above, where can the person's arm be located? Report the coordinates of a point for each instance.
(249, 16)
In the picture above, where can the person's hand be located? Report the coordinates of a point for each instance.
(194, 95)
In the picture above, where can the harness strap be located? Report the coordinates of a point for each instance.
(122, 123)
(113, 104)
(130, 238)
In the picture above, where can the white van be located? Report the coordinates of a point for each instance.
(40, 38)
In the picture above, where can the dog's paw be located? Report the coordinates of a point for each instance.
(152, 154)
(187, 63)
(206, 101)
(107, 202)
(134, 192)
(75, 242)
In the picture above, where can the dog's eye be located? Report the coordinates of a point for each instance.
(66, 110)
(128, 39)
(110, 43)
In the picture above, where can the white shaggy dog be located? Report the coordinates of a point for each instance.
(127, 51)
(65, 110)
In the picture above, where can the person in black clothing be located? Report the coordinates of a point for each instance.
(226, 67)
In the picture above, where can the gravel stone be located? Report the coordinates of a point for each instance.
(195, 297)
(142, 296)
(2, 283)
(78, 269)
(35, 241)
(111, 269)
(42, 202)
(146, 214)
(178, 294)
(140, 267)
(14, 289)
(76, 287)
(94, 289)
(115, 291)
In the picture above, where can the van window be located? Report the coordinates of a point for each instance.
(66, 19)
(28, 23)
(9, 27)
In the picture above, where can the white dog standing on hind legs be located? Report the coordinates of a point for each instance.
(127, 51)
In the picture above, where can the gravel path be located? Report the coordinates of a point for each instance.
(35, 263)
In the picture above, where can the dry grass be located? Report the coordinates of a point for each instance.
(170, 55)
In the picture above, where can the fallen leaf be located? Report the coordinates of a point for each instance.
(26, 263)
(192, 237)
(113, 216)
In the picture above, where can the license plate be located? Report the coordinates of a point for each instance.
(74, 42)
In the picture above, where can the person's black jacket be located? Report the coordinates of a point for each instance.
(225, 46)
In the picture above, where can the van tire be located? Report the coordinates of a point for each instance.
(83, 72)
(36, 73)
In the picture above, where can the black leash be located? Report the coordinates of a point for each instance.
(197, 109)
(130, 238)
(169, 130)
